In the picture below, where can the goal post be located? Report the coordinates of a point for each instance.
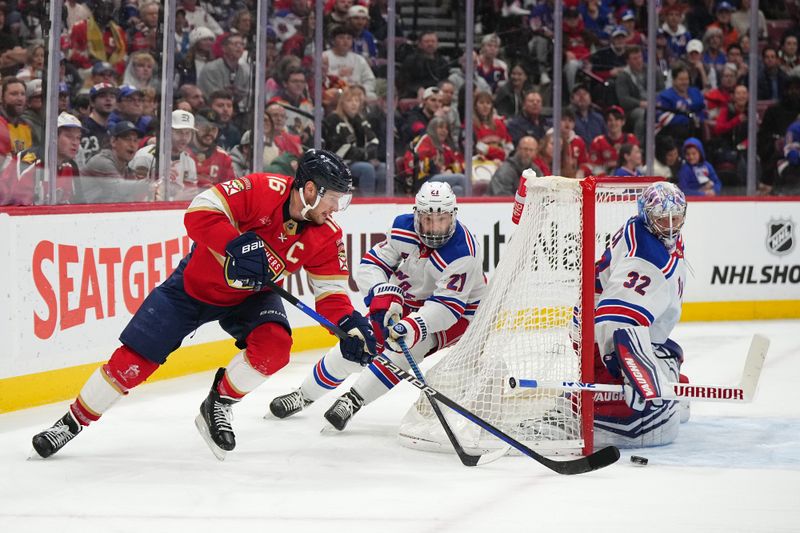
(536, 320)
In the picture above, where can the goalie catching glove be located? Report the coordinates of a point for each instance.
(646, 372)
(411, 329)
(360, 345)
(385, 308)
(250, 264)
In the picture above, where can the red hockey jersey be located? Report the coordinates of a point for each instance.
(260, 203)
(213, 166)
(604, 152)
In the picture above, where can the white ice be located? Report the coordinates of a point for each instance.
(144, 468)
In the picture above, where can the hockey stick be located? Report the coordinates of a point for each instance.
(594, 461)
(466, 458)
(589, 463)
(741, 393)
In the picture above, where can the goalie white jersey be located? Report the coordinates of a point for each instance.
(638, 282)
(442, 284)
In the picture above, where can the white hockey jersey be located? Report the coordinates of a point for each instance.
(442, 285)
(638, 282)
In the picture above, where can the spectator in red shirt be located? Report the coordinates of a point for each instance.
(603, 151)
(98, 38)
(214, 165)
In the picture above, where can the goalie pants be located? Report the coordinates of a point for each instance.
(375, 380)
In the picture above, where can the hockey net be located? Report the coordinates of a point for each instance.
(535, 322)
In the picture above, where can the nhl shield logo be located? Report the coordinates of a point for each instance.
(780, 236)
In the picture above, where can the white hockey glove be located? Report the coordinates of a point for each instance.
(645, 372)
(411, 329)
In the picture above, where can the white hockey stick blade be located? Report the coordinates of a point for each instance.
(494, 456)
(753, 365)
(743, 392)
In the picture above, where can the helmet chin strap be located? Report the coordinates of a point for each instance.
(306, 207)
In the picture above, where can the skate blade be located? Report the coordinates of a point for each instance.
(200, 424)
(328, 429)
(33, 455)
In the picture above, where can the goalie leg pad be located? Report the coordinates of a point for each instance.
(638, 362)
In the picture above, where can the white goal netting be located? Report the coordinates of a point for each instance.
(528, 326)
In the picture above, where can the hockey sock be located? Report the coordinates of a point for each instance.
(327, 374)
(125, 370)
(240, 377)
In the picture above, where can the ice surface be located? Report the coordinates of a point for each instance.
(144, 468)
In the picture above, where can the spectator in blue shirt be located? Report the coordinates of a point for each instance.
(696, 176)
(588, 122)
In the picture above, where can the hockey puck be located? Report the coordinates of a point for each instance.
(639, 460)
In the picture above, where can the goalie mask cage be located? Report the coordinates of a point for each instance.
(536, 321)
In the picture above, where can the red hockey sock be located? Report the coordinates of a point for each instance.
(125, 370)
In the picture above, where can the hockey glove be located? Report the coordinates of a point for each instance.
(385, 308)
(411, 329)
(250, 264)
(360, 345)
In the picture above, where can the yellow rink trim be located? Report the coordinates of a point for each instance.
(761, 310)
(30, 390)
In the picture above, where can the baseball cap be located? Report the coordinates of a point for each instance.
(724, 6)
(246, 138)
(206, 117)
(357, 11)
(430, 91)
(614, 109)
(99, 88)
(200, 32)
(143, 158)
(182, 120)
(101, 67)
(619, 30)
(33, 88)
(122, 127)
(65, 120)
(694, 46)
(628, 15)
(128, 90)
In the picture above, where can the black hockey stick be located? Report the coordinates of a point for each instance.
(467, 459)
(594, 461)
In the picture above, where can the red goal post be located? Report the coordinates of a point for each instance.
(536, 320)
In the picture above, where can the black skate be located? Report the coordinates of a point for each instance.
(56, 437)
(343, 409)
(214, 420)
(289, 404)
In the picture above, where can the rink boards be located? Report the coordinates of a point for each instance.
(73, 276)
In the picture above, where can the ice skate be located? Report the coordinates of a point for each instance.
(215, 418)
(288, 404)
(343, 409)
(56, 437)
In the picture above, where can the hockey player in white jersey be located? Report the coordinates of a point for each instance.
(422, 284)
(639, 287)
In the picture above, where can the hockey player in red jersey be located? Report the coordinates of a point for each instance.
(247, 232)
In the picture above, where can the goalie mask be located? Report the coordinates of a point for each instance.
(662, 208)
(435, 214)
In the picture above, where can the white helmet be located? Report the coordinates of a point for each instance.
(662, 208)
(433, 200)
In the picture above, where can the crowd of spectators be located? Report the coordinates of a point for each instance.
(110, 83)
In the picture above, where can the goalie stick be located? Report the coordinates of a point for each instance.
(741, 393)
(589, 463)
(467, 459)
